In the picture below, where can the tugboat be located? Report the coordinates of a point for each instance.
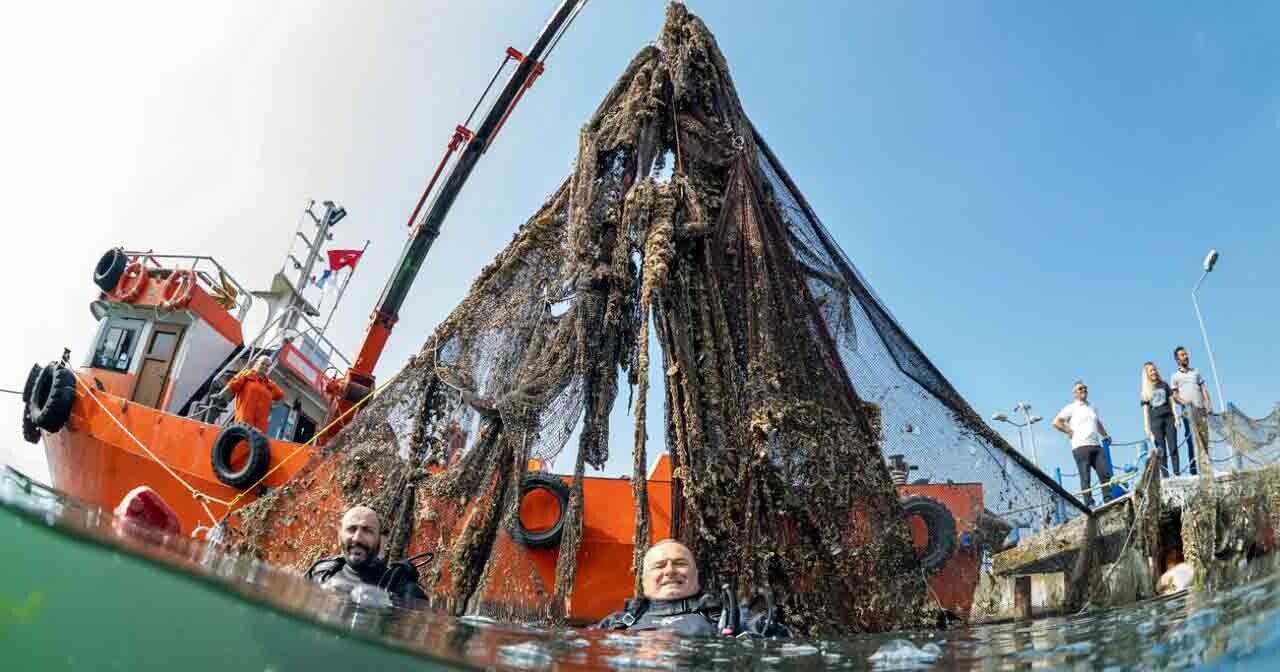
(145, 406)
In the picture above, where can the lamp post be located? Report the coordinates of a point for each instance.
(1209, 261)
(1024, 408)
(1029, 420)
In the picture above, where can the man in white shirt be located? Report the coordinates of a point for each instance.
(1192, 397)
(1080, 422)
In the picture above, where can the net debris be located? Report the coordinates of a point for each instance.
(785, 380)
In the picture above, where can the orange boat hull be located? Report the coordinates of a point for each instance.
(94, 460)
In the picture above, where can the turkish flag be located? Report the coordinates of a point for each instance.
(340, 258)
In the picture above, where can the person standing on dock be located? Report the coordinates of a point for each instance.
(1080, 422)
(1157, 418)
(1192, 397)
(254, 393)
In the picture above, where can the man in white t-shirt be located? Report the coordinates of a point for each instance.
(1080, 422)
(1192, 397)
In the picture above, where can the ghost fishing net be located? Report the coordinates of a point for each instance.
(1237, 441)
(785, 379)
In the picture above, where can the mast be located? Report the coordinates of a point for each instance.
(333, 213)
(359, 380)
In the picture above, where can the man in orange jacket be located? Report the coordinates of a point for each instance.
(254, 393)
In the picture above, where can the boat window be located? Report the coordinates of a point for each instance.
(278, 423)
(115, 350)
(162, 345)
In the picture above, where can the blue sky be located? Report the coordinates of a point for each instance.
(1029, 187)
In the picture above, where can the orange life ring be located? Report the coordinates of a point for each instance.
(176, 292)
(132, 282)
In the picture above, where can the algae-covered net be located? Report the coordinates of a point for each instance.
(785, 380)
(1241, 442)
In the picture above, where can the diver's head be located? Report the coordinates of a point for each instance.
(670, 572)
(360, 536)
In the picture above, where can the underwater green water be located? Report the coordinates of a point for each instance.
(69, 604)
(78, 593)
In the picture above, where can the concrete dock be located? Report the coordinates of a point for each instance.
(1221, 526)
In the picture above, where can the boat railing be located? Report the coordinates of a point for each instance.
(269, 341)
(209, 273)
(330, 350)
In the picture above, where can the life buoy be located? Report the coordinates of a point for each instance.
(51, 398)
(254, 468)
(109, 269)
(175, 294)
(131, 283)
(941, 527)
(548, 537)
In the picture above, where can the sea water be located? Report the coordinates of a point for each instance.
(78, 591)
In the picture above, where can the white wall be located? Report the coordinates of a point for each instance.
(202, 350)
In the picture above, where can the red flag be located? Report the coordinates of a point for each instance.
(340, 258)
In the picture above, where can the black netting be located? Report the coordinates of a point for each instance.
(1238, 441)
(923, 418)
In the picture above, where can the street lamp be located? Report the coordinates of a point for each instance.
(1025, 407)
(1209, 261)
(1029, 420)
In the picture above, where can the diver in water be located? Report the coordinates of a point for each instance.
(360, 540)
(674, 601)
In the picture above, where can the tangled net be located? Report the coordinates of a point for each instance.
(778, 481)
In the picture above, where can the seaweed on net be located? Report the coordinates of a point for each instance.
(778, 479)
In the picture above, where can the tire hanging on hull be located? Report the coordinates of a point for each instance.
(52, 395)
(941, 527)
(549, 537)
(255, 467)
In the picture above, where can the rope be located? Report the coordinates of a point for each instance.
(7, 390)
(197, 495)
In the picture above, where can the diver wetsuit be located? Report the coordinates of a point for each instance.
(399, 579)
(695, 615)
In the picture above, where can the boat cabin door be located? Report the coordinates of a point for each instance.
(156, 360)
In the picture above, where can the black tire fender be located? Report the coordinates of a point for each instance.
(109, 269)
(941, 526)
(254, 468)
(550, 537)
(31, 382)
(30, 433)
(52, 396)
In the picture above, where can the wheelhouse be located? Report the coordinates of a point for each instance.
(170, 335)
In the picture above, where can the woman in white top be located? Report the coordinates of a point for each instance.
(1157, 418)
